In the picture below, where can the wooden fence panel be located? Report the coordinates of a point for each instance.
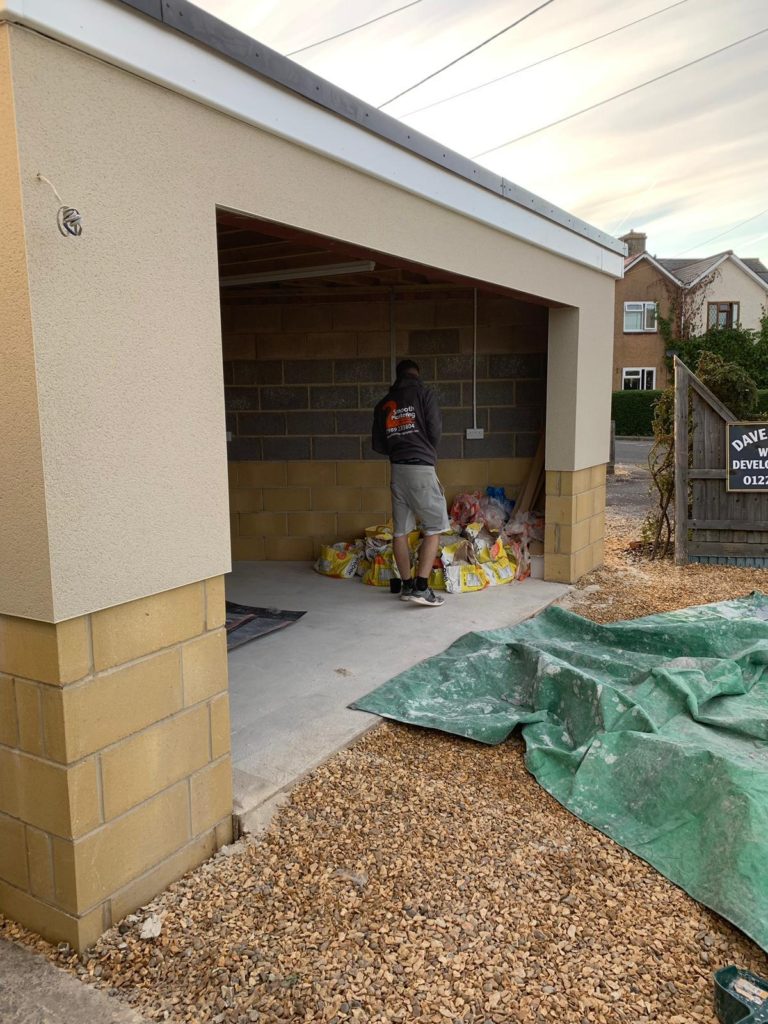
(711, 524)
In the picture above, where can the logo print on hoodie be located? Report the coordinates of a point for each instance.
(399, 419)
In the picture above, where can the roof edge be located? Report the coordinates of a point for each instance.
(748, 270)
(656, 264)
(208, 30)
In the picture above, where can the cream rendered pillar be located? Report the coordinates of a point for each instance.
(578, 435)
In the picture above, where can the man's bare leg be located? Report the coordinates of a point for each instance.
(402, 557)
(427, 555)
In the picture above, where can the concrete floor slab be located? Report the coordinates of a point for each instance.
(289, 691)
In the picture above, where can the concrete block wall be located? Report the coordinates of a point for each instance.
(575, 523)
(301, 381)
(286, 511)
(115, 773)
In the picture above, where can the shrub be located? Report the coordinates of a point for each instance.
(633, 412)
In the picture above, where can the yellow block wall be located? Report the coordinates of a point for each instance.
(115, 774)
(575, 523)
(287, 510)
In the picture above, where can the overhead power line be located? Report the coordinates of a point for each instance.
(733, 227)
(618, 95)
(468, 53)
(354, 28)
(536, 63)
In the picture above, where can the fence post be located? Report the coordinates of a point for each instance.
(681, 463)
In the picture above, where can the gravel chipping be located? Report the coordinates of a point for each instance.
(628, 586)
(421, 877)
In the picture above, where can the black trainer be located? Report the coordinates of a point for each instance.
(426, 597)
(407, 591)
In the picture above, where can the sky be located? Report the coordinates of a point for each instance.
(682, 159)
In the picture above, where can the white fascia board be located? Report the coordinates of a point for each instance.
(120, 36)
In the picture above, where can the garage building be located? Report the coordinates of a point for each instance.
(258, 248)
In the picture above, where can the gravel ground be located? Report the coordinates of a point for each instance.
(628, 586)
(420, 877)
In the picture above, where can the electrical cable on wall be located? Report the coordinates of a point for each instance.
(474, 358)
(68, 219)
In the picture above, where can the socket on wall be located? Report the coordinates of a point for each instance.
(475, 433)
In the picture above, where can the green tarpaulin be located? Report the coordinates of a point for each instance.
(653, 730)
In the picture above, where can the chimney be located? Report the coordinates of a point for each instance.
(635, 241)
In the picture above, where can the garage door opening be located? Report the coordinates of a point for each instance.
(312, 330)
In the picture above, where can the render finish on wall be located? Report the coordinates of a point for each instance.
(126, 318)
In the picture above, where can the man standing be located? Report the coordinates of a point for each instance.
(407, 427)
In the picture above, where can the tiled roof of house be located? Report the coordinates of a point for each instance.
(689, 270)
(757, 267)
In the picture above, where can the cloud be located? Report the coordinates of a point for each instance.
(682, 159)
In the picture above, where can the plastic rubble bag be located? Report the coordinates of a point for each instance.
(517, 536)
(499, 571)
(485, 545)
(520, 557)
(464, 579)
(652, 730)
(465, 508)
(339, 561)
(381, 570)
(437, 579)
(493, 513)
(460, 552)
(414, 541)
(377, 540)
(451, 535)
(500, 495)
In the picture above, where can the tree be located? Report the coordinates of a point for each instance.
(685, 309)
(736, 345)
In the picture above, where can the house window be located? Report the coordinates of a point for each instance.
(722, 314)
(638, 378)
(639, 317)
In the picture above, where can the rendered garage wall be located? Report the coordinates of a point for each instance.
(147, 167)
(124, 458)
(25, 576)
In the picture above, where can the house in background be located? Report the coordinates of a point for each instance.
(717, 291)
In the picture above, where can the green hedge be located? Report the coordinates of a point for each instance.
(762, 400)
(633, 412)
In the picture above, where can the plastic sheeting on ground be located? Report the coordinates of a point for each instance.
(654, 730)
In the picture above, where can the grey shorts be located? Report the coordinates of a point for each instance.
(417, 494)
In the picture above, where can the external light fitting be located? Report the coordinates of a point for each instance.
(68, 219)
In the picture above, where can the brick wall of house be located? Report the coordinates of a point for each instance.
(643, 283)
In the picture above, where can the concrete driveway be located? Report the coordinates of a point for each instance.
(289, 691)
